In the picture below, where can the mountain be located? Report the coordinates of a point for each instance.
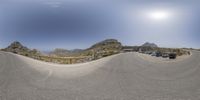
(147, 44)
(107, 45)
(103, 48)
(18, 48)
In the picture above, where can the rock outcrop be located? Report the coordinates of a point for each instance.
(18, 48)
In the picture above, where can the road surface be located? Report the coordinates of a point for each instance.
(119, 77)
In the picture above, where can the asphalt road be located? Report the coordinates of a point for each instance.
(119, 77)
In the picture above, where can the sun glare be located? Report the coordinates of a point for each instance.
(159, 15)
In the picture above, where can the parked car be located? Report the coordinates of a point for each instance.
(172, 55)
(165, 55)
(158, 54)
(153, 54)
(148, 52)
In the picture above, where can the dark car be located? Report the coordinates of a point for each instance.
(158, 54)
(172, 55)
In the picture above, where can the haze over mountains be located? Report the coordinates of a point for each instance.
(63, 52)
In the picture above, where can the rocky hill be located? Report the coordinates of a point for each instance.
(147, 44)
(107, 43)
(103, 48)
(18, 48)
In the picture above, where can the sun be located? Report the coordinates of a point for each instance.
(159, 15)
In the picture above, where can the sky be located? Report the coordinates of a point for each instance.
(72, 24)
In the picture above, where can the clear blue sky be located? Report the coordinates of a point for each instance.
(70, 24)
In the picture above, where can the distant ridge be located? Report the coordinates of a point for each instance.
(64, 52)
